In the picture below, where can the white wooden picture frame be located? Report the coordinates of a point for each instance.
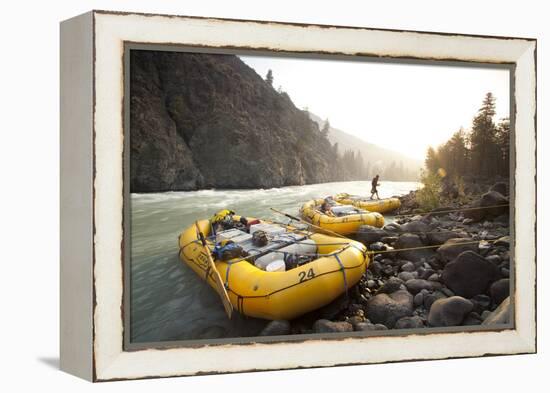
(93, 187)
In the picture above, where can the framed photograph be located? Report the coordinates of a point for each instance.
(247, 195)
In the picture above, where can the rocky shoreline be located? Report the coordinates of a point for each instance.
(449, 267)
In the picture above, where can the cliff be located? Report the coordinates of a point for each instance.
(209, 121)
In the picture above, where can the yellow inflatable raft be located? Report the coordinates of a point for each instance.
(380, 205)
(345, 225)
(280, 294)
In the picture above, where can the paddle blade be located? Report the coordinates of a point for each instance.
(223, 294)
(220, 287)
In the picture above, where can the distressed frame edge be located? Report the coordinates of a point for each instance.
(304, 24)
(526, 126)
(76, 196)
(529, 342)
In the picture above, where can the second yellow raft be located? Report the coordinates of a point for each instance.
(344, 225)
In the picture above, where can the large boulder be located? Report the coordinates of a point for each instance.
(454, 247)
(449, 312)
(501, 315)
(469, 274)
(409, 240)
(493, 203)
(500, 290)
(387, 309)
(276, 328)
(326, 326)
(368, 234)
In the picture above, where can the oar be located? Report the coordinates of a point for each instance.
(307, 223)
(217, 278)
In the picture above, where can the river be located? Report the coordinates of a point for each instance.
(168, 300)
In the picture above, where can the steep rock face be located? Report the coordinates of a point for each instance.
(203, 121)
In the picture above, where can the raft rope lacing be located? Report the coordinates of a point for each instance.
(343, 272)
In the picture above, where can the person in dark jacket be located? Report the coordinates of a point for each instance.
(374, 185)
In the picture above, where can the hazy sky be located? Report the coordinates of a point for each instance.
(399, 106)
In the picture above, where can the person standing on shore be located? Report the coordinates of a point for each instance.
(374, 185)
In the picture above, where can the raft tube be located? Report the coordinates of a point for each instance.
(344, 225)
(379, 205)
(280, 295)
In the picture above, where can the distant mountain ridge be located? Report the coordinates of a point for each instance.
(379, 158)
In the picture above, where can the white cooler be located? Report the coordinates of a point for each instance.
(306, 246)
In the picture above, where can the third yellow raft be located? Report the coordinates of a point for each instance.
(379, 205)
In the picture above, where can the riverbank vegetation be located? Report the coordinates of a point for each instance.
(469, 157)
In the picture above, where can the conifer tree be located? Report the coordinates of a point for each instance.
(482, 138)
(326, 129)
(269, 77)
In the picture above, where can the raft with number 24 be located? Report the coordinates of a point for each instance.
(336, 265)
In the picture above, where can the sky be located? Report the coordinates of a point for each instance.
(402, 107)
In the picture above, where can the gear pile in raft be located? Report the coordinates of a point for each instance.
(273, 270)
